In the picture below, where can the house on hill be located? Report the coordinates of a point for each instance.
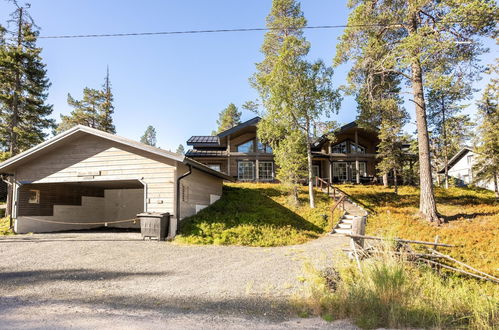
(85, 178)
(238, 153)
(460, 167)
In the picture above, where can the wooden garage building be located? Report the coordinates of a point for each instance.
(85, 178)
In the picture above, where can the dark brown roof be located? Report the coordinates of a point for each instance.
(252, 121)
(206, 153)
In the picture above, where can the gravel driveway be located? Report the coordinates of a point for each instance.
(116, 280)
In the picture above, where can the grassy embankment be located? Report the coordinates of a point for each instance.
(257, 215)
(390, 292)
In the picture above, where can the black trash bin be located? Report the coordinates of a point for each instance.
(154, 225)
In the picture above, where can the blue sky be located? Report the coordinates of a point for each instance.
(177, 83)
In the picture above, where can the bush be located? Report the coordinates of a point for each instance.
(388, 291)
(5, 227)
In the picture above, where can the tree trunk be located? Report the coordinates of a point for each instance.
(496, 188)
(385, 180)
(395, 183)
(13, 148)
(310, 176)
(427, 204)
(446, 154)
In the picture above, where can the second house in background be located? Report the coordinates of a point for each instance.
(238, 153)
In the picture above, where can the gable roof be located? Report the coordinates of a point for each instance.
(457, 157)
(79, 130)
(251, 122)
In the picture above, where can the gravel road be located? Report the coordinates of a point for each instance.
(116, 280)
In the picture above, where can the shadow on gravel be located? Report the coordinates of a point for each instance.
(272, 309)
(44, 276)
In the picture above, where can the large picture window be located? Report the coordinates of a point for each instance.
(245, 170)
(246, 147)
(356, 148)
(264, 148)
(266, 171)
(340, 148)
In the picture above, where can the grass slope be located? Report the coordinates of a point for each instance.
(472, 215)
(257, 215)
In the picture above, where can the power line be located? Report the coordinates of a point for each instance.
(182, 32)
(317, 27)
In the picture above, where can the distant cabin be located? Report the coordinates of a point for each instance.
(461, 169)
(85, 178)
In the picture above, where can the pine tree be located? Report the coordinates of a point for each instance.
(416, 40)
(94, 110)
(180, 150)
(486, 166)
(296, 94)
(23, 86)
(228, 118)
(107, 107)
(149, 136)
(450, 130)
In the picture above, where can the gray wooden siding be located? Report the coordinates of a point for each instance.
(112, 161)
(196, 189)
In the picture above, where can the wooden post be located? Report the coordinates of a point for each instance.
(357, 172)
(228, 156)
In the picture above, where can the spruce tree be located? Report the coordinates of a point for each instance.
(486, 166)
(107, 107)
(24, 116)
(228, 118)
(180, 150)
(418, 41)
(449, 129)
(149, 136)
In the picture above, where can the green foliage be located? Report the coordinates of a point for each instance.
(419, 42)
(149, 136)
(24, 113)
(295, 94)
(94, 110)
(180, 150)
(390, 292)
(228, 118)
(256, 215)
(5, 227)
(487, 160)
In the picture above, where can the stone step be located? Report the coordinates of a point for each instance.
(346, 220)
(344, 225)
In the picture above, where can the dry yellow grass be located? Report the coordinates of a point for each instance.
(472, 215)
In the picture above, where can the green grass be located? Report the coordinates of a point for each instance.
(4, 227)
(472, 215)
(257, 215)
(390, 292)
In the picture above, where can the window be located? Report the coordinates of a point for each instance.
(362, 169)
(246, 147)
(34, 197)
(355, 148)
(340, 171)
(215, 167)
(266, 171)
(246, 170)
(316, 171)
(470, 159)
(340, 148)
(264, 148)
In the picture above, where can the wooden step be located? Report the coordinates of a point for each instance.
(342, 231)
(344, 225)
